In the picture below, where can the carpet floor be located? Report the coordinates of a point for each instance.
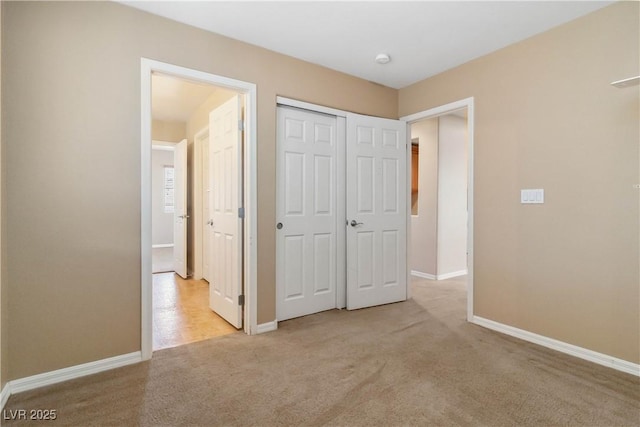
(412, 363)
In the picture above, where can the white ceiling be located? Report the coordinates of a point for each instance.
(175, 100)
(423, 38)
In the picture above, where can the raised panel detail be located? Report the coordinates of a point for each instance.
(294, 267)
(390, 185)
(323, 183)
(322, 134)
(218, 274)
(229, 279)
(228, 179)
(365, 262)
(390, 258)
(390, 138)
(322, 263)
(365, 136)
(228, 122)
(216, 128)
(294, 184)
(217, 173)
(294, 129)
(365, 184)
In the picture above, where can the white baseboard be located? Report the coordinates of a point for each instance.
(563, 347)
(439, 276)
(423, 275)
(4, 395)
(73, 372)
(166, 245)
(267, 327)
(452, 274)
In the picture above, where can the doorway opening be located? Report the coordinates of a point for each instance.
(183, 309)
(163, 205)
(442, 198)
(198, 203)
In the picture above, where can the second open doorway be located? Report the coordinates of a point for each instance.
(442, 200)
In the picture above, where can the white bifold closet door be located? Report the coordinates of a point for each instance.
(376, 169)
(315, 237)
(305, 213)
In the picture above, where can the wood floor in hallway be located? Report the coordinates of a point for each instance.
(181, 312)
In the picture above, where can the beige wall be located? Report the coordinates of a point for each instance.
(424, 225)
(546, 117)
(452, 195)
(74, 279)
(168, 131)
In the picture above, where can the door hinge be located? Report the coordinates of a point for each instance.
(241, 213)
(241, 125)
(241, 300)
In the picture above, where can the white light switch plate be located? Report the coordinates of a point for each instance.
(532, 196)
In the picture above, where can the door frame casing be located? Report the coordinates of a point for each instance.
(467, 103)
(249, 90)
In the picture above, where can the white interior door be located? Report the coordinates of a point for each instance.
(305, 212)
(376, 211)
(206, 214)
(180, 209)
(225, 156)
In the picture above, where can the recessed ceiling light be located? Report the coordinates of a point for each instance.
(383, 58)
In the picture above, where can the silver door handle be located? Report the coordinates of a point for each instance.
(183, 216)
(355, 223)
